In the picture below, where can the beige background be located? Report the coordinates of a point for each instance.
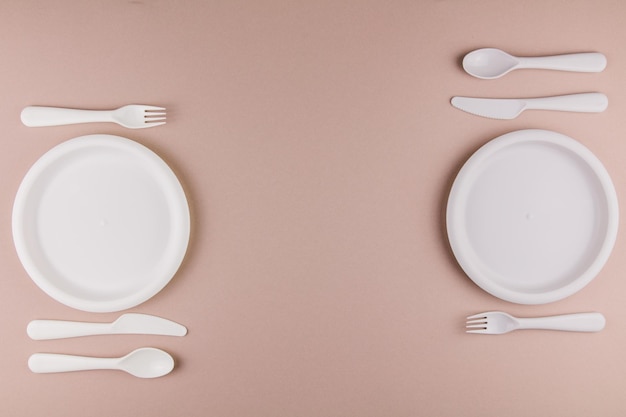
(317, 145)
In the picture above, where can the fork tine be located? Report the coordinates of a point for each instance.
(152, 108)
(154, 113)
(153, 119)
(476, 323)
(481, 331)
(478, 316)
(150, 124)
(476, 326)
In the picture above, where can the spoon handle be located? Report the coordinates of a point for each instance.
(43, 363)
(582, 62)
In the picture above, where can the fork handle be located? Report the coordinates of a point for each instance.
(38, 116)
(579, 322)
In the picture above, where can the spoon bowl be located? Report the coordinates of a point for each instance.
(489, 63)
(147, 363)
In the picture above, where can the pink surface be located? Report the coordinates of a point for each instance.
(317, 145)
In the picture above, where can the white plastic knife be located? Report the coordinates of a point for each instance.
(510, 108)
(130, 323)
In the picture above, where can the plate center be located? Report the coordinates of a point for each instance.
(534, 216)
(102, 223)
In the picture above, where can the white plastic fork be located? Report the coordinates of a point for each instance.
(498, 322)
(133, 116)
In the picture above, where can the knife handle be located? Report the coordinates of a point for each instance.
(583, 102)
(58, 329)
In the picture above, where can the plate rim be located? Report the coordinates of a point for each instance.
(453, 210)
(181, 236)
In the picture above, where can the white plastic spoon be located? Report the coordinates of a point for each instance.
(490, 63)
(142, 363)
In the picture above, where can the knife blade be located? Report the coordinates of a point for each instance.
(130, 323)
(510, 108)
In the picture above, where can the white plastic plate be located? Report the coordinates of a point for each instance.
(101, 223)
(532, 216)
